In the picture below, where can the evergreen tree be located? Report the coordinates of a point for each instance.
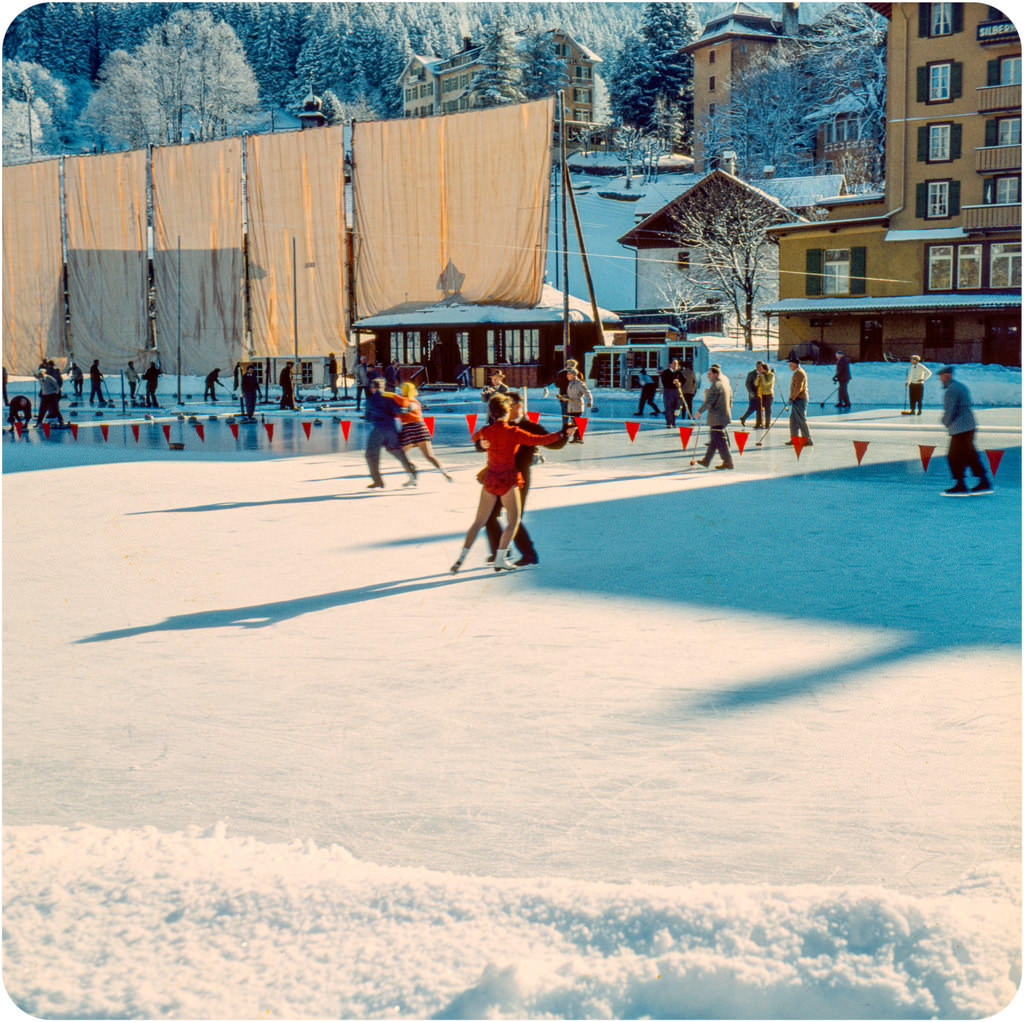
(499, 80)
(544, 72)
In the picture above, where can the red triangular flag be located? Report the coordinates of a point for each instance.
(860, 446)
(199, 430)
(17, 428)
(428, 421)
(926, 454)
(345, 426)
(269, 427)
(105, 430)
(741, 440)
(994, 457)
(632, 428)
(685, 432)
(135, 431)
(306, 427)
(233, 426)
(471, 423)
(167, 431)
(533, 416)
(581, 425)
(46, 430)
(74, 430)
(799, 442)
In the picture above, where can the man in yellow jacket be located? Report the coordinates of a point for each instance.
(798, 397)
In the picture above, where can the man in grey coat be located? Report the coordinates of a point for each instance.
(958, 418)
(718, 405)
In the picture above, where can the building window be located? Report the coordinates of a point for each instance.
(938, 199)
(1008, 131)
(836, 271)
(940, 268)
(581, 95)
(939, 83)
(711, 84)
(941, 19)
(711, 109)
(1009, 70)
(938, 142)
(711, 56)
(968, 266)
(1002, 191)
(1004, 264)
(683, 260)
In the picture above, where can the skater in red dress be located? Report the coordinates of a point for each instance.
(501, 479)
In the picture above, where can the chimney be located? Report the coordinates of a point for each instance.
(769, 171)
(791, 19)
(467, 43)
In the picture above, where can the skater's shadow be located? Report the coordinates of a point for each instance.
(262, 615)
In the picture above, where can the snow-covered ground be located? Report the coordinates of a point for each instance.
(746, 744)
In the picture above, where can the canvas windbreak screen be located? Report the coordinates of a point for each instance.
(452, 207)
(105, 213)
(197, 200)
(297, 267)
(33, 303)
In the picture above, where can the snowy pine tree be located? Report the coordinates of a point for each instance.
(499, 80)
(544, 72)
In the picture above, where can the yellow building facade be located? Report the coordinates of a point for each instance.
(933, 266)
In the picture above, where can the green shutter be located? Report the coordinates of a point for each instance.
(956, 131)
(958, 18)
(924, 20)
(994, 72)
(956, 80)
(814, 258)
(921, 211)
(858, 270)
(922, 145)
(954, 198)
(922, 85)
(992, 132)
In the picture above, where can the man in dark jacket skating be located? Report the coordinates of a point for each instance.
(381, 412)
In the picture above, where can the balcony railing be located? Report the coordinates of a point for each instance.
(999, 157)
(998, 97)
(991, 217)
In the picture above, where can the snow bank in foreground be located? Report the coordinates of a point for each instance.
(132, 923)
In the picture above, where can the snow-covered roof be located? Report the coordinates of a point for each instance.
(893, 303)
(449, 313)
(927, 234)
(845, 104)
(802, 192)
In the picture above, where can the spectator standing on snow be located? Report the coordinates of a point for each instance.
(287, 387)
(842, 378)
(718, 404)
(332, 374)
(250, 390)
(672, 384)
(131, 374)
(393, 375)
(49, 398)
(577, 394)
(753, 397)
(648, 388)
(690, 384)
(765, 391)
(958, 418)
(77, 379)
(96, 382)
(798, 398)
(562, 383)
(916, 375)
(212, 382)
(381, 412)
(152, 377)
(362, 378)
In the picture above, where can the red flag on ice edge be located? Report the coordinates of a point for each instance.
(471, 423)
(632, 428)
(741, 439)
(167, 431)
(46, 430)
(17, 429)
(799, 442)
(926, 451)
(200, 431)
(994, 457)
(135, 431)
(581, 425)
(269, 427)
(74, 430)
(346, 425)
(533, 416)
(428, 421)
(306, 427)
(105, 430)
(685, 432)
(233, 426)
(860, 446)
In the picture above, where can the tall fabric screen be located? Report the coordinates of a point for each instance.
(452, 207)
(298, 280)
(33, 304)
(105, 220)
(197, 200)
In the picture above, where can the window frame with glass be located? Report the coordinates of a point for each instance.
(835, 271)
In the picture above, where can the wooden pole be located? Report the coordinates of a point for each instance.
(567, 186)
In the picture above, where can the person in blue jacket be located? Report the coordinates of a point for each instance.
(958, 418)
(381, 413)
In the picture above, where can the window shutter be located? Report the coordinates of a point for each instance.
(994, 72)
(956, 80)
(922, 85)
(954, 198)
(858, 270)
(955, 135)
(958, 17)
(922, 201)
(990, 191)
(924, 20)
(992, 132)
(814, 257)
(922, 145)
